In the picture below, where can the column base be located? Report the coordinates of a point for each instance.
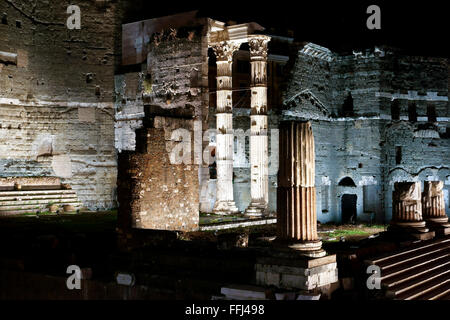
(295, 272)
(256, 209)
(225, 208)
(439, 225)
(310, 249)
(415, 229)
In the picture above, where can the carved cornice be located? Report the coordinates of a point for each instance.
(316, 51)
(224, 50)
(258, 46)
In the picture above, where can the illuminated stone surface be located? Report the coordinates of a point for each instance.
(297, 219)
(433, 207)
(259, 151)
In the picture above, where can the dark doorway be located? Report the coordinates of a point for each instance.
(348, 205)
(412, 112)
(395, 110)
(347, 108)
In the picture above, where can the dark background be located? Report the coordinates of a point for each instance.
(416, 27)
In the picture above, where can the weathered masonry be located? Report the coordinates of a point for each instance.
(219, 92)
(56, 98)
(163, 129)
(379, 117)
(191, 107)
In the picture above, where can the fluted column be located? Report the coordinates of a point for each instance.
(433, 207)
(259, 149)
(406, 203)
(224, 123)
(407, 207)
(296, 201)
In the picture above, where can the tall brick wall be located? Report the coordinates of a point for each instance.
(56, 103)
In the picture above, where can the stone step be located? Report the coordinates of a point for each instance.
(244, 292)
(414, 247)
(393, 259)
(19, 211)
(418, 285)
(414, 272)
(419, 292)
(414, 265)
(411, 257)
(36, 206)
(5, 200)
(436, 294)
(4, 204)
(34, 201)
(35, 192)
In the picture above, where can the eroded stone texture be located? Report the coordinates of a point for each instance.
(407, 205)
(9, 183)
(259, 142)
(163, 196)
(161, 113)
(296, 205)
(56, 98)
(433, 204)
(433, 207)
(371, 142)
(407, 211)
(224, 136)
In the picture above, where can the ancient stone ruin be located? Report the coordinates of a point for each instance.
(179, 118)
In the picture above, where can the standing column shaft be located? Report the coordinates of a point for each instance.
(296, 203)
(259, 149)
(433, 207)
(407, 210)
(224, 123)
(406, 203)
(433, 204)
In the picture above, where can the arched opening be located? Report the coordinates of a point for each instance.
(347, 182)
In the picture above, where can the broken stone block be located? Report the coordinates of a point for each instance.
(232, 240)
(244, 292)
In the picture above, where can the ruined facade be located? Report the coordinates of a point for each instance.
(56, 96)
(379, 117)
(169, 90)
(149, 96)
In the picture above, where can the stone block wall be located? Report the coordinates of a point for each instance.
(162, 112)
(164, 196)
(56, 102)
(363, 146)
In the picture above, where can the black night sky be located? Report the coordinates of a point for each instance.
(417, 27)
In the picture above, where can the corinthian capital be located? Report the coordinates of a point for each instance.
(224, 50)
(258, 45)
